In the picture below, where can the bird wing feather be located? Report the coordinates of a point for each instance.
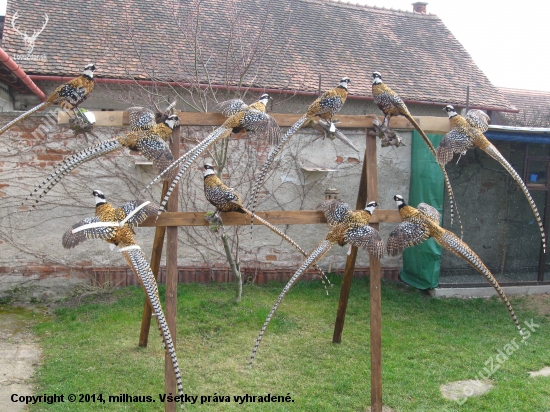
(478, 119)
(453, 142)
(335, 210)
(261, 123)
(406, 234)
(366, 237)
(141, 118)
(430, 212)
(153, 148)
(230, 107)
(71, 239)
(138, 210)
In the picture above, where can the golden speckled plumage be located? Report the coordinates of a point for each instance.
(350, 226)
(392, 105)
(73, 93)
(466, 133)
(422, 223)
(104, 226)
(328, 104)
(131, 213)
(69, 95)
(226, 199)
(347, 227)
(388, 101)
(150, 140)
(221, 196)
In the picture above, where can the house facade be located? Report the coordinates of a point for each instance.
(198, 53)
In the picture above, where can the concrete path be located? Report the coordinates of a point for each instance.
(19, 355)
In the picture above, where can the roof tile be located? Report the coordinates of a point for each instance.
(300, 39)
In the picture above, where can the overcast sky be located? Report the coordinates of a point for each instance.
(507, 39)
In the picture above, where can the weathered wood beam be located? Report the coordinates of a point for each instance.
(429, 124)
(275, 217)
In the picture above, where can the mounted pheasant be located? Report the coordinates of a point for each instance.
(226, 199)
(391, 105)
(422, 223)
(146, 136)
(348, 227)
(466, 133)
(69, 96)
(325, 107)
(251, 118)
(115, 226)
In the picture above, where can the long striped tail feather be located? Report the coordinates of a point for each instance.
(452, 200)
(265, 168)
(217, 134)
(289, 240)
(71, 163)
(170, 170)
(495, 154)
(456, 246)
(139, 264)
(23, 116)
(320, 250)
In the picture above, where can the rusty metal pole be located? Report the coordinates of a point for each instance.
(171, 281)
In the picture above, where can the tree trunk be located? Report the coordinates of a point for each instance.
(234, 268)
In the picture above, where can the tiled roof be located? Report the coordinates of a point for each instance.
(417, 55)
(534, 107)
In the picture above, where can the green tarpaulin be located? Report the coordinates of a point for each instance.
(421, 263)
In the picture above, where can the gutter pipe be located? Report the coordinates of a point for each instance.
(18, 71)
(36, 77)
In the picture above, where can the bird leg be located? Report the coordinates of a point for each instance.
(387, 136)
(78, 114)
(215, 220)
(332, 134)
(386, 122)
(460, 156)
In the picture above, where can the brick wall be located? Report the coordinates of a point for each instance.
(31, 252)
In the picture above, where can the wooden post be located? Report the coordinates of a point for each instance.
(375, 289)
(156, 255)
(350, 262)
(171, 281)
(368, 190)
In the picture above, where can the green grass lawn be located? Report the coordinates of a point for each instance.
(92, 349)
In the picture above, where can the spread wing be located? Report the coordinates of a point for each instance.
(430, 212)
(156, 150)
(260, 122)
(406, 234)
(368, 238)
(230, 107)
(453, 142)
(141, 118)
(335, 210)
(137, 211)
(95, 230)
(478, 119)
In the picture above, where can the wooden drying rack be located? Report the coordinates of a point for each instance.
(169, 222)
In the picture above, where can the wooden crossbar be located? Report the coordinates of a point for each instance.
(275, 217)
(430, 124)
